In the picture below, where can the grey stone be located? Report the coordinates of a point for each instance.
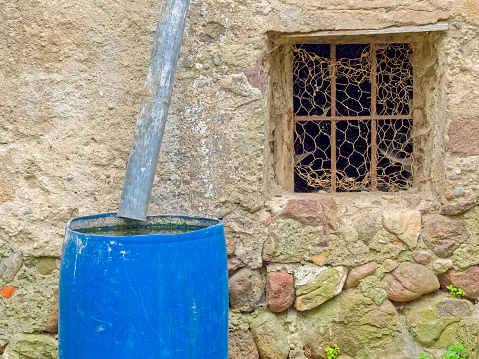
(239, 85)
(46, 265)
(9, 266)
(245, 236)
(270, 337)
(442, 265)
(406, 225)
(32, 307)
(429, 317)
(468, 332)
(234, 263)
(293, 241)
(443, 235)
(457, 24)
(367, 225)
(346, 249)
(217, 60)
(352, 321)
(212, 31)
(246, 289)
(458, 192)
(230, 237)
(315, 285)
(297, 353)
(371, 287)
(389, 265)
(32, 346)
(241, 345)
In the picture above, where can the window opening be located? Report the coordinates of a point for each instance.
(352, 107)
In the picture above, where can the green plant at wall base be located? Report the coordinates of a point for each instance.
(456, 293)
(423, 356)
(455, 351)
(332, 352)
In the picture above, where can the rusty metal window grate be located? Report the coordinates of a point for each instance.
(353, 118)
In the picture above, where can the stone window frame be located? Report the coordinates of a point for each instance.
(424, 40)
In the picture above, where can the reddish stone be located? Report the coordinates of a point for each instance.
(279, 291)
(464, 138)
(358, 273)
(257, 77)
(396, 241)
(409, 281)
(467, 280)
(320, 259)
(449, 195)
(413, 200)
(7, 292)
(457, 208)
(443, 235)
(320, 210)
(421, 257)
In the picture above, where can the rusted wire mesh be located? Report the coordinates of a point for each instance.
(353, 117)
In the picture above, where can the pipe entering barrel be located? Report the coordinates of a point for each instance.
(153, 112)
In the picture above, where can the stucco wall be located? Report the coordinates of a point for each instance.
(71, 74)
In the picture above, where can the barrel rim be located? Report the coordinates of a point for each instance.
(209, 231)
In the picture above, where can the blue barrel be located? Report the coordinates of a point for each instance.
(159, 293)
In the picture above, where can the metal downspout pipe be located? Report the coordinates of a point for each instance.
(152, 115)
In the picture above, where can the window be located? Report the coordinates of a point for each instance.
(352, 117)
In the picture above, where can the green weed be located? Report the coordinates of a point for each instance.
(456, 293)
(332, 352)
(456, 351)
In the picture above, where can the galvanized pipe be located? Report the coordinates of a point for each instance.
(151, 119)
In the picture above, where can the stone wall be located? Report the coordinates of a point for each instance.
(361, 270)
(368, 275)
